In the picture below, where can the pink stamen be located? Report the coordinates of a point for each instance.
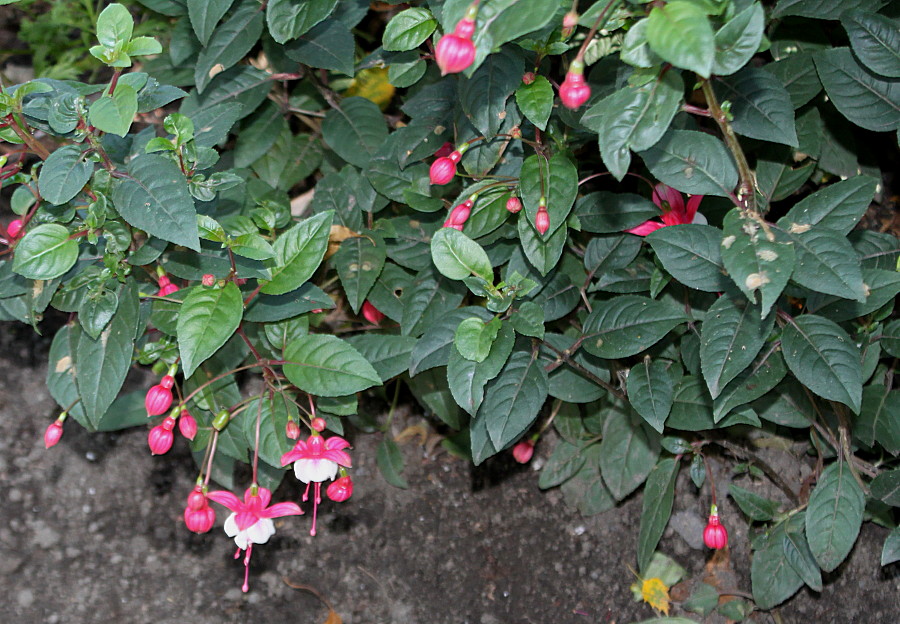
(246, 586)
(316, 501)
(237, 553)
(306, 493)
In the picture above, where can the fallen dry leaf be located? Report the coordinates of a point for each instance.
(333, 617)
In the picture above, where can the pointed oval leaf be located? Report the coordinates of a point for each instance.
(627, 325)
(651, 391)
(875, 40)
(288, 19)
(229, 43)
(557, 181)
(692, 162)
(739, 39)
(827, 263)
(45, 252)
(325, 365)
(359, 261)
(691, 254)
(834, 515)
(681, 34)
(535, 100)
(771, 574)
(355, 131)
(866, 99)
(205, 14)
(628, 453)
(298, 253)
(838, 207)
(659, 494)
(760, 105)
(207, 319)
(457, 256)
(63, 174)
(408, 29)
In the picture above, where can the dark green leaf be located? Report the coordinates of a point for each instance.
(608, 253)
(692, 162)
(834, 515)
(408, 29)
(388, 354)
(325, 365)
(752, 383)
(434, 348)
(64, 174)
(273, 417)
(879, 418)
(390, 463)
(562, 464)
(427, 299)
(760, 105)
(867, 100)
(229, 43)
(755, 506)
(627, 325)
(627, 453)
(891, 551)
(823, 9)
(603, 212)
(774, 579)
(738, 40)
(875, 40)
(886, 487)
(483, 96)
(798, 554)
(329, 45)
(359, 261)
(45, 252)
(467, 379)
(691, 254)
(535, 100)
(299, 251)
(837, 207)
(288, 19)
(659, 494)
(650, 391)
(680, 33)
(356, 130)
(205, 14)
(207, 319)
(826, 263)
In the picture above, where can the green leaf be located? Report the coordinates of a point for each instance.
(875, 40)
(64, 174)
(634, 118)
(733, 332)
(408, 30)
(114, 25)
(102, 364)
(205, 14)
(207, 319)
(45, 252)
(692, 407)
(866, 99)
(738, 40)
(467, 378)
(299, 252)
(229, 43)
(681, 34)
(771, 574)
(325, 365)
(355, 131)
(434, 348)
(752, 383)
(429, 298)
(273, 418)
(838, 207)
(543, 254)
(824, 358)
(390, 463)
(473, 337)
(535, 100)
(627, 325)
(834, 515)
(827, 263)
(359, 261)
(692, 162)
(797, 73)
(823, 9)
(512, 400)
(155, 198)
(143, 46)
(529, 320)
(755, 506)
(556, 181)
(659, 494)
(691, 254)
(650, 391)
(328, 45)
(388, 354)
(288, 19)
(115, 114)
(886, 487)
(258, 135)
(879, 418)
(603, 212)
(627, 454)
(457, 256)
(891, 551)
(563, 463)
(760, 105)
(483, 96)
(754, 261)
(214, 122)
(61, 376)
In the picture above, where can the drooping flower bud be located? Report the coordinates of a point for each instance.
(187, 425)
(340, 490)
(196, 499)
(318, 424)
(528, 77)
(208, 280)
(460, 214)
(523, 451)
(574, 91)
(570, 21)
(542, 218)
(14, 229)
(371, 313)
(715, 535)
(199, 517)
(159, 397)
(167, 290)
(514, 204)
(54, 431)
(444, 150)
(455, 52)
(161, 437)
(443, 169)
(292, 430)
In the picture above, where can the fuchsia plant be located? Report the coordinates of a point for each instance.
(455, 52)
(316, 460)
(674, 210)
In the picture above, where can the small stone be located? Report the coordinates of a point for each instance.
(25, 598)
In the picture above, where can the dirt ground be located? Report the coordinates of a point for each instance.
(91, 531)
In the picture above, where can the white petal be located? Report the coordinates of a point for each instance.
(231, 526)
(241, 540)
(260, 532)
(699, 218)
(315, 470)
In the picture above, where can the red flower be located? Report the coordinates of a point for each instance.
(455, 52)
(371, 313)
(514, 204)
(14, 229)
(674, 211)
(523, 451)
(574, 91)
(53, 433)
(187, 425)
(161, 437)
(159, 397)
(443, 169)
(340, 490)
(198, 515)
(715, 535)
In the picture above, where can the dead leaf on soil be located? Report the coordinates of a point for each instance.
(333, 617)
(338, 234)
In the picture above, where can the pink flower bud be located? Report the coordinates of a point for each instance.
(570, 21)
(292, 430)
(318, 424)
(14, 229)
(164, 280)
(574, 91)
(514, 204)
(317, 311)
(187, 425)
(53, 433)
(196, 499)
(167, 290)
(198, 515)
(371, 313)
(516, 132)
(443, 169)
(161, 437)
(208, 279)
(542, 220)
(444, 150)
(159, 397)
(528, 77)
(523, 451)
(715, 535)
(455, 52)
(340, 490)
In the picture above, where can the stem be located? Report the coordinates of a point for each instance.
(256, 444)
(212, 455)
(747, 193)
(598, 24)
(33, 144)
(566, 357)
(709, 478)
(770, 472)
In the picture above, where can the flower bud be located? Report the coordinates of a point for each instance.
(208, 280)
(167, 290)
(444, 150)
(292, 430)
(514, 204)
(371, 313)
(161, 437)
(221, 420)
(53, 433)
(574, 91)
(164, 280)
(523, 451)
(542, 218)
(14, 229)
(341, 489)
(187, 425)
(715, 535)
(318, 424)
(159, 397)
(443, 169)
(455, 52)
(198, 515)
(196, 499)
(570, 21)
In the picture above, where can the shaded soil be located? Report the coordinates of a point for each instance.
(91, 531)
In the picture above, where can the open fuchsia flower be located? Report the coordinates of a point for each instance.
(315, 460)
(715, 535)
(455, 52)
(198, 515)
(159, 397)
(674, 211)
(250, 521)
(574, 91)
(371, 313)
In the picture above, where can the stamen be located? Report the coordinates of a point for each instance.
(246, 586)
(306, 493)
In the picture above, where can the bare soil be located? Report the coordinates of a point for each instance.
(91, 531)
